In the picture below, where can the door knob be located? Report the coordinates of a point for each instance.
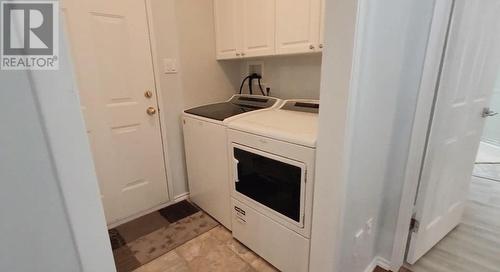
(151, 111)
(487, 112)
(148, 94)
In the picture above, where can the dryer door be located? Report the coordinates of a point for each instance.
(270, 181)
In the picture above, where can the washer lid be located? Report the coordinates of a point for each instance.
(238, 104)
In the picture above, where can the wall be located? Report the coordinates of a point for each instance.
(491, 132)
(333, 135)
(32, 206)
(391, 39)
(200, 78)
(51, 217)
(296, 76)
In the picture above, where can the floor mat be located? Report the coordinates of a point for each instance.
(142, 240)
(489, 171)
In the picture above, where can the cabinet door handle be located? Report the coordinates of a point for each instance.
(311, 47)
(320, 45)
(237, 54)
(243, 54)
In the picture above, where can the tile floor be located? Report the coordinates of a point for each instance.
(214, 250)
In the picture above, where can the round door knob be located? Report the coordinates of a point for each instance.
(151, 111)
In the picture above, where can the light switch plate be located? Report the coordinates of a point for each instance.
(169, 66)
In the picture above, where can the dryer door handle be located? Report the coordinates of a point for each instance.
(235, 170)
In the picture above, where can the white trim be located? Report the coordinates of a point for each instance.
(159, 97)
(339, 79)
(378, 261)
(181, 197)
(430, 75)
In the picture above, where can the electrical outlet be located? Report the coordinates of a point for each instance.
(358, 242)
(169, 66)
(256, 67)
(369, 226)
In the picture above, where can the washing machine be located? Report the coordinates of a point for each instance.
(272, 157)
(205, 143)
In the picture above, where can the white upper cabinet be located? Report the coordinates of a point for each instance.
(228, 28)
(258, 28)
(252, 28)
(297, 26)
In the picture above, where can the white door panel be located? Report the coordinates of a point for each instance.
(297, 26)
(467, 81)
(228, 28)
(112, 57)
(258, 27)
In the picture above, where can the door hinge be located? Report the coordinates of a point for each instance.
(414, 225)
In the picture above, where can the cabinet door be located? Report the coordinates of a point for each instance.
(322, 26)
(258, 27)
(228, 28)
(297, 26)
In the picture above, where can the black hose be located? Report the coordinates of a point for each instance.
(243, 83)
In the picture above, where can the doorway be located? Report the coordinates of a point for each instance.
(112, 56)
(452, 226)
(487, 164)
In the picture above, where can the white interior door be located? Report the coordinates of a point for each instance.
(467, 80)
(111, 52)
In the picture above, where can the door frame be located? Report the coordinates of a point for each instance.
(429, 85)
(159, 97)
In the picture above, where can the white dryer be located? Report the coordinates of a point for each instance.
(272, 157)
(205, 143)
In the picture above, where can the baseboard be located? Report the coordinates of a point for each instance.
(378, 261)
(176, 199)
(181, 197)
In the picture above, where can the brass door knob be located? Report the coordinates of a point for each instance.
(151, 111)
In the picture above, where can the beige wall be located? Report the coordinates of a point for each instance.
(204, 79)
(184, 30)
(296, 76)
